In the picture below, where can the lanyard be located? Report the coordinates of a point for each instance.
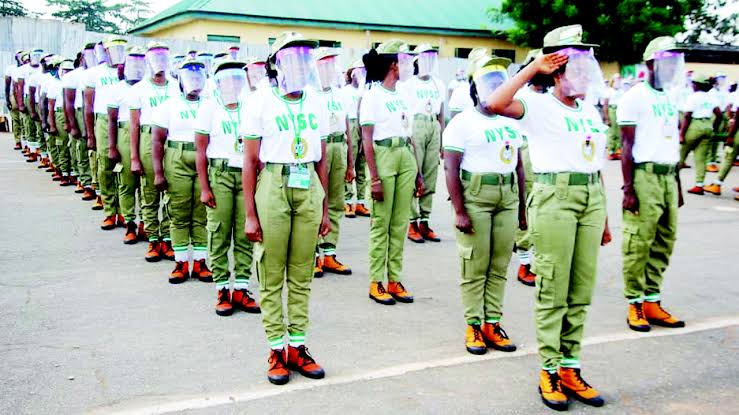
(299, 145)
(156, 91)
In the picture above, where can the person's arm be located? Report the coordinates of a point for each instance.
(734, 127)
(606, 238)
(630, 201)
(70, 114)
(19, 86)
(719, 116)
(323, 175)
(44, 108)
(502, 100)
(419, 176)
(89, 96)
(158, 138)
(604, 113)
(135, 132)
(684, 127)
(350, 174)
(521, 182)
(452, 163)
(32, 102)
(201, 165)
(249, 177)
(113, 154)
(8, 83)
(369, 157)
(442, 123)
(51, 118)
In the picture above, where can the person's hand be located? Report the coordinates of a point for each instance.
(22, 108)
(522, 223)
(34, 116)
(546, 64)
(136, 168)
(376, 190)
(67, 128)
(160, 182)
(325, 224)
(463, 223)
(682, 139)
(53, 131)
(350, 175)
(630, 202)
(606, 238)
(607, 122)
(419, 186)
(114, 155)
(75, 133)
(253, 229)
(206, 196)
(680, 199)
(91, 143)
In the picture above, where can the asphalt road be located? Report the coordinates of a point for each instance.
(87, 326)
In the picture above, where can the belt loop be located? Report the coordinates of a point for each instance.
(561, 184)
(650, 168)
(475, 183)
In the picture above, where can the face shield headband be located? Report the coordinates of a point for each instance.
(230, 84)
(192, 78)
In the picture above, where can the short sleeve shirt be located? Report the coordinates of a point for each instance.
(178, 118)
(488, 143)
(428, 96)
(221, 125)
(54, 92)
(279, 122)
(389, 112)
(460, 99)
(566, 139)
(351, 97)
(337, 107)
(701, 104)
(120, 100)
(73, 80)
(104, 80)
(146, 96)
(655, 116)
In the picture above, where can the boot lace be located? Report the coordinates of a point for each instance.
(223, 296)
(477, 333)
(400, 287)
(639, 311)
(553, 382)
(303, 354)
(381, 289)
(579, 380)
(500, 332)
(276, 359)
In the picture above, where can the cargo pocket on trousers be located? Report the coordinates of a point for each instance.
(631, 237)
(546, 287)
(465, 255)
(165, 204)
(212, 228)
(258, 265)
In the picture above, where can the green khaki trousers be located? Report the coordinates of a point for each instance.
(186, 212)
(718, 138)
(614, 133)
(40, 134)
(225, 223)
(649, 236)
(523, 237)
(31, 128)
(60, 142)
(150, 197)
(485, 254)
(336, 166)
(360, 164)
(427, 136)
(397, 169)
(15, 118)
(730, 154)
(107, 180)
(128, 183)
(290, 219)
(567, 226)
(84, 173)
(697, 138)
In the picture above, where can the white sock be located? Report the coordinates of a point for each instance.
(199, 254)
(524, 257)
(241, 285)
(180, 256)
(718, 182)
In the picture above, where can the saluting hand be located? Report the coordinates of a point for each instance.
(549, 63)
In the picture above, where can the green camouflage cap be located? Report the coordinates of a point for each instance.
(660, 44)
(476, 63)
(393, 47)
(531, 56)
(136, 51)
(156, 45)
(356, 64)
(564, 37)
(477, 53)
(288, 39)
(54, 61)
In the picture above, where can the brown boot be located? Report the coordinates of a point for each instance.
(277, 374)
(180, 273)
(635, 318)
(361, 210)
(426, 232)
(143, 237)
(223, 306)
(299, 360)
(243, 300)
(525, 276)
(88, 194)
(550, 390)
(79, 189)
(130, 237)
(108, 223)
(473, 340)
(32, 158)
(18, 146)
(349, 211)
(414, 234)
(399, 292)
(496, 338)
(574, 385)
(98, 205)
(66, 181)
(57, 176)
(120, 221)
(166, 251)
(332, 265)
(200, 271)
(318, 268)
(658, 316)
(378, 294)
(153, 252)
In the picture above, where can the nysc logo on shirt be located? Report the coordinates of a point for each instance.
(188, 114)
(663, 109)
(581, 125)
(301, 121)
(154, 101)
(396, 105)
(335, 106)
(109, 80)
(229, 127)
(427, 94)
(505, 133)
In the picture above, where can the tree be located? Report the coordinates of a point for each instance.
(94, 14)
(707, 24)
(133, 13)
(622, 28)
(12, 8)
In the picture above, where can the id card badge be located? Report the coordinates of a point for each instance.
(333, 122)
(299, 177)
(239, 146)
(668, 131)
(118, 168)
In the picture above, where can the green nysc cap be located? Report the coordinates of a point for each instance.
(700, 78)
(323, 53)
(290, 39)
(565, 37)
(393, 47)
(228, 63)
(156, 45)
(67, 65)
(660, 44)
(531, 56)
(190, 62)
(136, 51)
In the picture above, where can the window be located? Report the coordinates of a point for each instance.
(462, 52)
(505, 53)
(271, 41)
(329, 43)
(224, 38)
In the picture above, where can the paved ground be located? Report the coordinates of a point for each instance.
(87, 326)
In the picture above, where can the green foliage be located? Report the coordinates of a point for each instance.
(622, 28)
(12, 8)
(96, 15)
(133, 13)
(706, 24)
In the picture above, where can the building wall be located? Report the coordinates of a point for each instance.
(260, 33)
(711, 69)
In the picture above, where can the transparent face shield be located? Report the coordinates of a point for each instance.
(487, 80)
(207, 60)
(100, 55)
(296, 69)
(405, 66)
(134, 69)
(90, 59)
(327, 72)
(428, 63)
(722, 83)
(117, 53)
(359, 77)
(157, 60)
(36, 57)
(230, 84)
(192, 78)
(460, 75)
(582, 75)
(669, 70)
(255, 72)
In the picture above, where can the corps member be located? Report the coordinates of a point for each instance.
(356, 76)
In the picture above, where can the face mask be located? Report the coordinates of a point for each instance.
(295, 69)
(487, 80)
(255, 72)
(327, 72)
(117, 54)
(669, 69)
(192, 78)
(230, 84)
(582, 74)
(157, 60)
(207, 60)
(36, 57)
(134, 69)
(359, 77)
(90, 59)
(428, 63)
(100, 56)
(405, 67)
